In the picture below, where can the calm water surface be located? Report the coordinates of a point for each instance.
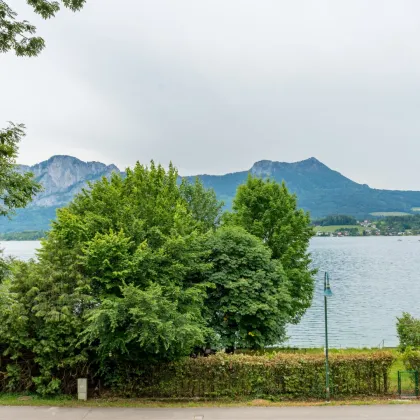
(373, 280)
(23, 250)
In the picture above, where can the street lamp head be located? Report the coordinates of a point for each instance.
(327, 288)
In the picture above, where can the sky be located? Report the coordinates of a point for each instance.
(216, 85)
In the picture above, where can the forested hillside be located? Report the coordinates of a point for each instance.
(319, 189)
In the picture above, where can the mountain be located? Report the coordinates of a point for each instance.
(62, 177)
(319, 189)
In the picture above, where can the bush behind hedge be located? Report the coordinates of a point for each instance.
(411, 358)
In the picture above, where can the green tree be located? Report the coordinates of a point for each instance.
(119, 279)
(267, 210)
(202, 202)
(408, 330)
(41, 312)
(249, 304)
(336, 220)
(16, 189)
(18, 36)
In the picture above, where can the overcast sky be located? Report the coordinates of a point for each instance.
(215, 85)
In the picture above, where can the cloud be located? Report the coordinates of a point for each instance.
(216, 85)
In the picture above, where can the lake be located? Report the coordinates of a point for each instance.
(373, 280)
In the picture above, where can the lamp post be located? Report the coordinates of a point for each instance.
(327, 294)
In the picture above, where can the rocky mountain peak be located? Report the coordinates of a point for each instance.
(63, 176)
(268, 167)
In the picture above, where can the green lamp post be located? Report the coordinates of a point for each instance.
(327, 294)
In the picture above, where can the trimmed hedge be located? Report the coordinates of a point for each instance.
(279, 375)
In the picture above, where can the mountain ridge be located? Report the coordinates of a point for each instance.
(63, 176)
(319, 189)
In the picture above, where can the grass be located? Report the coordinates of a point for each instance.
(389, 213)
(331, 229)
(33, 400)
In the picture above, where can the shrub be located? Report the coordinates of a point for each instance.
(275, 375)
(411, 359)
(408, 329)
(283, 376)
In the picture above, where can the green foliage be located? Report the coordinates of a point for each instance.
(136, 271)
(336, 220)
(397, 224)
(143, 325)
(408, 330)
(16, 189)
(352, 231)
(119, 279)
(4, 266)
(267, 210)
(411, 358)
(41, 311)
(23, 236)
(18, 36)
(355, 230)
(249, 305)
(202, 203)
(14, 377)
(278, 376)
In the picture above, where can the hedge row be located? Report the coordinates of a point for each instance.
(280, 375)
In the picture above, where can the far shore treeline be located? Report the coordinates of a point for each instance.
(384, 225)
(333, 224)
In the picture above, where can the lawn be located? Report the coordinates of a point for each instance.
(331, 229)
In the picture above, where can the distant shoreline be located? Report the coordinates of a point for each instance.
(28, 235)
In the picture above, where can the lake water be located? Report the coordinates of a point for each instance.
(23, 250)
(373, 281)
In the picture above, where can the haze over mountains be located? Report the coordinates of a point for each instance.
(319, 189)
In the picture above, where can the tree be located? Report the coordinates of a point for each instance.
(408, 330)
(267, 210)
(18, 35)
(202, 202)
(119, 279)
(336, 220)
(16, 189)
(249, 304)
